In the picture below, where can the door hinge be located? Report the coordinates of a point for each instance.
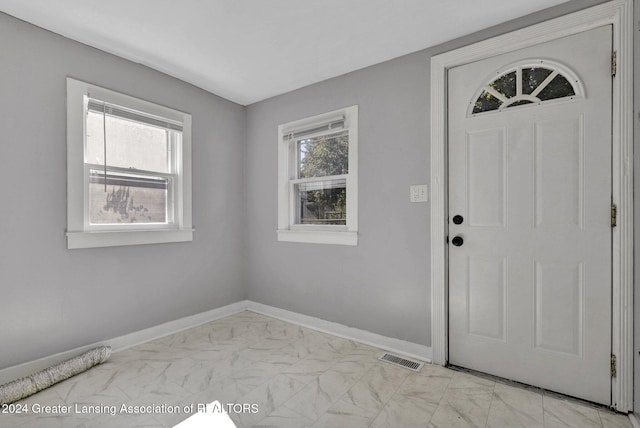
(614, 215)
(614, 62)
(613, 366)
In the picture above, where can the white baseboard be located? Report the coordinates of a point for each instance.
(136, 338)
(121, 343)
(126, 341)
(634, 420)
(398, 346)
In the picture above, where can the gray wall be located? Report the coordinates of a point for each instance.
(382, 285)
(53, 299)
(636, 178)
(378, 285)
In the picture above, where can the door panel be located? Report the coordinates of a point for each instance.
(558, 307)
(486, 181)
(530, 286)
(559, 184)
(487, 297)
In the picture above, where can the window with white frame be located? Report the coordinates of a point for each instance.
(128, 170)
(318, 179)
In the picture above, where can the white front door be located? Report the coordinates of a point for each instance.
(530, 215)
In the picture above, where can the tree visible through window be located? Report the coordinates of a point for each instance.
(323, 201)
(318, 179)
(530, 84)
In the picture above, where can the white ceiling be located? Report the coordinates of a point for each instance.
(249, 50)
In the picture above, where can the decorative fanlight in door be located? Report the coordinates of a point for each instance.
(531, 83)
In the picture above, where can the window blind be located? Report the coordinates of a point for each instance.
(115, 179)
(98, 106)
(334, 124)
(312, 186)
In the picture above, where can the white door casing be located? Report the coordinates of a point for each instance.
(619, 13)
(530, 286)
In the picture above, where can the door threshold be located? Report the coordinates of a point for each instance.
(532, 388)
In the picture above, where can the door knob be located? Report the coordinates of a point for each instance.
(457, 241)
(457, 219)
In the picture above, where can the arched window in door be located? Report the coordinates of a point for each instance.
(533, 82)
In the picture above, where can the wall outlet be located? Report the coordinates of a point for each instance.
(418, 193)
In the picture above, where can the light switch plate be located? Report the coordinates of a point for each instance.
(419, 193)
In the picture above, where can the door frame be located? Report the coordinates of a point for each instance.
(619, 14)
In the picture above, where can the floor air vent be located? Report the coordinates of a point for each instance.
(402, 362)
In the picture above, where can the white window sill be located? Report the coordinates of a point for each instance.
(318, 237)
(120, 238)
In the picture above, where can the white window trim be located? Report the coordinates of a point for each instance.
(288, 231)
(78, 235)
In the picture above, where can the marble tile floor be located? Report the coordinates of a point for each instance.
(296, 377)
